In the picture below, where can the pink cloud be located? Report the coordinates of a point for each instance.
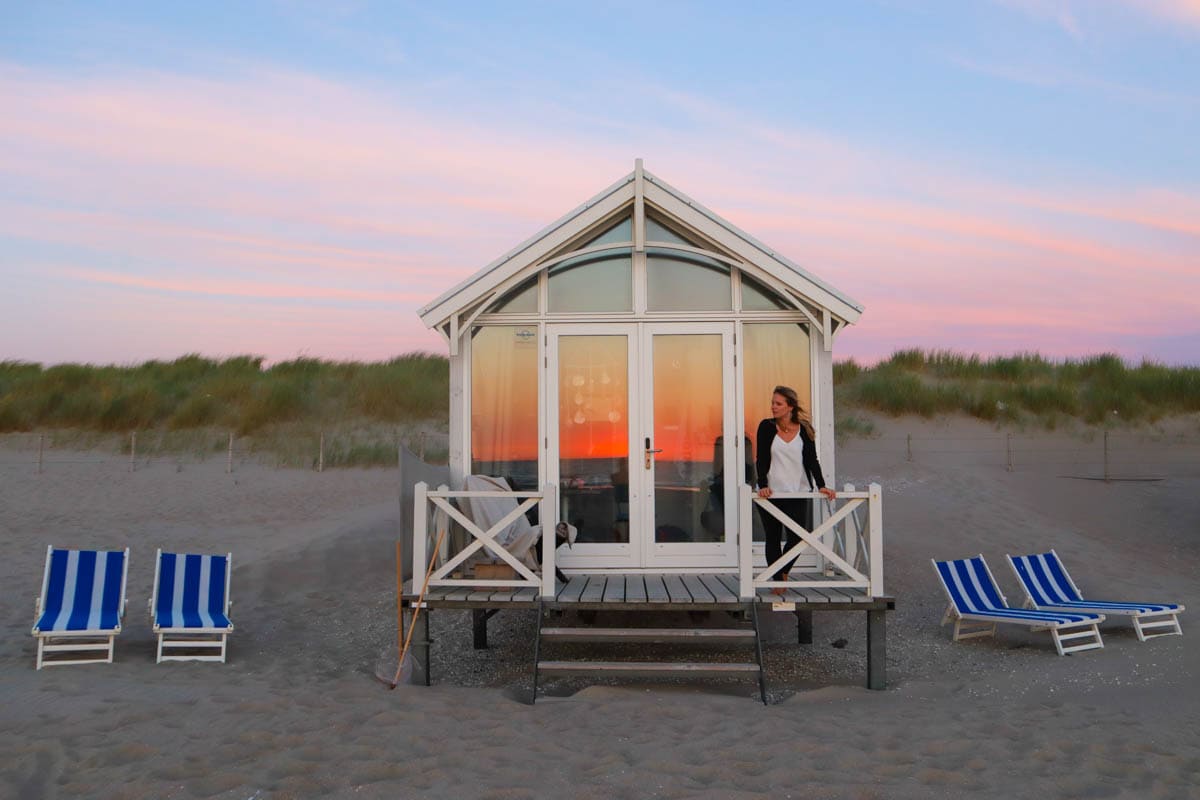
(224, 194)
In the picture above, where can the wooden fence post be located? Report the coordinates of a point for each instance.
(229, 463)
(41, 450)
(1008, 450)
(910, 447)
(1106, 478)
(321, 455)
(133, 451)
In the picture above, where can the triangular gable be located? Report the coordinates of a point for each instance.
(666, 201)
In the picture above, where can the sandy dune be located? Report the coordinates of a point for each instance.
(298, 711)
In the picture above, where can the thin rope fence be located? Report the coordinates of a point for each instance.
(41, 452)
(1106, 454)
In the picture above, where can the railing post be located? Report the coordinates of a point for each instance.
(745, 540)
(444, 553)
(875, 526)
(549, 540)
(850, 537)
(420, 531)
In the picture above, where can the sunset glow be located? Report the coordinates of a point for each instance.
(990, 177)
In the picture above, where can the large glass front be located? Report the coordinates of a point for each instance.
(593, 436)
(688, 408)
(504, 404)
(773, 354)
(677, 281)
(597, 282)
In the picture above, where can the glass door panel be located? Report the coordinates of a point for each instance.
(689, 420)
(591, 418)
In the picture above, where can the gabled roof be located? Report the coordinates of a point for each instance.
(662, 197)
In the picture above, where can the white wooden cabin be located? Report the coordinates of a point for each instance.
(613, 369)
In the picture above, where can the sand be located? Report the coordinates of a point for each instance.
(299, 712)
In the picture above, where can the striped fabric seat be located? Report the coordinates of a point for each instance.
(80, 608)
(1048, 587)
(190, 606)
(977, 605)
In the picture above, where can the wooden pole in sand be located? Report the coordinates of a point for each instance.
(321, 455)
(132, 451)
(1106, 479)
(910, 447)
(229, 463)
(421, 446)
(1008, 449)
(419, 604)
(41, 450)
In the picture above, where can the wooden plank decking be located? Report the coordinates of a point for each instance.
(649, 592)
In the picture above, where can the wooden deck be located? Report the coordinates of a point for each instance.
(648, 592)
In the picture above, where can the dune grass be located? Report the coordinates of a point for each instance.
(1100, 389)
(193, 403)
(237, 394)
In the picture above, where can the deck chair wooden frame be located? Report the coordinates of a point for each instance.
(80, 608)
(189, 608)
(977, 606)
(1048, 586)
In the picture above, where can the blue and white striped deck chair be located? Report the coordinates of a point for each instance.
(189, 609)
(977, 605)
(1048, 587)
(81, 606)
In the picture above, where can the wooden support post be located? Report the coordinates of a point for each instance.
(133, 451)
(1008, 451)
(41, 450)
(479, 621)
(421, 642)
(321, 455)
(876, 649)
(421, 446)
(875, 538)
(229, 462)
(420, 531)
(804, 626)
(745, 544)
(546, 518)
(910, 447)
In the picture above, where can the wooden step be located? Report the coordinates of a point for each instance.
(586, 634)
(624, 669)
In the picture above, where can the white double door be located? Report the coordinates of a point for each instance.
(638, 417)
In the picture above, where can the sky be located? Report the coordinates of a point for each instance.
(298, 178)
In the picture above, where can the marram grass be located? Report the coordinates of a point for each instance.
(177, 400)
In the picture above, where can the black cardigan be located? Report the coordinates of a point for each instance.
(762, 460)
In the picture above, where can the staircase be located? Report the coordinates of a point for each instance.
(651, 636)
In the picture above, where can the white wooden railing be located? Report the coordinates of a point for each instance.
(851, 548)
(439, 500)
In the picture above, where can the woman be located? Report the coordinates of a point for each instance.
(787, 462)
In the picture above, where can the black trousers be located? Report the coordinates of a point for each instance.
(799, 510)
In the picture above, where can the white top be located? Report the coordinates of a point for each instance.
(787, 465)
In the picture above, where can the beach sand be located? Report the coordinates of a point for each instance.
(300, 712)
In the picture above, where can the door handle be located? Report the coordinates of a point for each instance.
(650, 453)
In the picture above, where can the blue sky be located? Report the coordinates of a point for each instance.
(287, 178)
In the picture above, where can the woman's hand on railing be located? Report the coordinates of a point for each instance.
(764, 491)
(830, 494)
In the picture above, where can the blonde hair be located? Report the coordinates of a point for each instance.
(799, 415)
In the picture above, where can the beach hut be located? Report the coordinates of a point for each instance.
(612, 370)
